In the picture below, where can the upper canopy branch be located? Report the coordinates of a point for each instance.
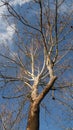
(14, 13)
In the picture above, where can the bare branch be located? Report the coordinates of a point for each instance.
(17, 16)
(11, 97)
(46, 89)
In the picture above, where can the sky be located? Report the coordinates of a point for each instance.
(7, 33)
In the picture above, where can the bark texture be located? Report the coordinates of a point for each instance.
(33, 118)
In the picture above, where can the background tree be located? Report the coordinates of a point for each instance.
(38, 64)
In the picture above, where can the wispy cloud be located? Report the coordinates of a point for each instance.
(7, 35)
(6, 31)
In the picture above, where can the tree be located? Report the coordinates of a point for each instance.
(41, 64)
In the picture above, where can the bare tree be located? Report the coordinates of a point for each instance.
(42, 62)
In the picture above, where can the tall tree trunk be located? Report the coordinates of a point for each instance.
(33, 117)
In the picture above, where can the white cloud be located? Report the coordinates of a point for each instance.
(6, 31)
(20, 2)
(8, 34)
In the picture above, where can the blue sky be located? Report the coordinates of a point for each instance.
(7, 33)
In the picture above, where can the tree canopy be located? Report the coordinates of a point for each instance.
(36, 62)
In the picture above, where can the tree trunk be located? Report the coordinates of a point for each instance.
(33, 117)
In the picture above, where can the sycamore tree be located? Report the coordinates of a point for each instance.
(36, 69)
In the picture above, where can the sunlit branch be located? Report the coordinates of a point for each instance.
(44, 65)
(46, 89)
(42, 70)
(51, 38)
(45, 75)
(32, 65)
(26, 78)
(20, 64)
(28, 85)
